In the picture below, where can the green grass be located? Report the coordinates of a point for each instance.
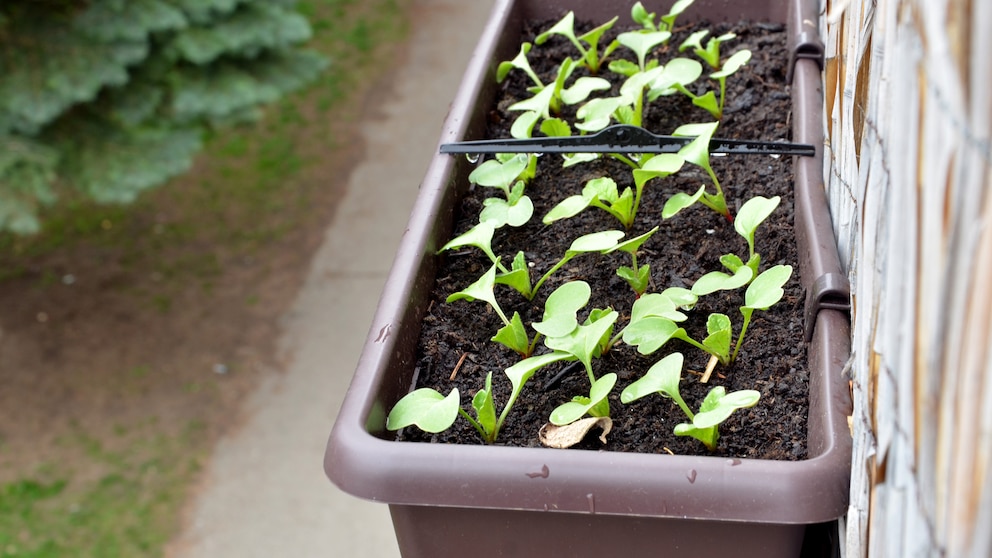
(118, 490)
(128, 510)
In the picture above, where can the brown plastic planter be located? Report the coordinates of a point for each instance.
(449, 500)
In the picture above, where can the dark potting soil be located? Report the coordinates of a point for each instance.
(772, 359)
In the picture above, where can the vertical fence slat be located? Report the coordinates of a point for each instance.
(909, 111)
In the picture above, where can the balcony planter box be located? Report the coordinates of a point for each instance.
(467, 500)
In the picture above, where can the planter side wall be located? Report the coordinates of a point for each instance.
(775, 498)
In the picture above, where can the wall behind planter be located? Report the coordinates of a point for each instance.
(909, 111)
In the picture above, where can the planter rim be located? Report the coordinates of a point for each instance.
(580, 481)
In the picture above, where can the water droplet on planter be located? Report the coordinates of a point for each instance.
(538, 154)
(718, 154)
(775, 156)
(592, 502)
(691, 475)
(733, 462)
(635, 157)
(472, 157)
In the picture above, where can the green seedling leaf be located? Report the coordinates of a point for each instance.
(485, 409)
(683, 298)
(720, 281)
(751, 215)
(680, 201)
(634, 244)
(731, 261)
(568, 207)
(593, 59)
(523, 126)
(584, 341)
(501, 213)
(522, 371)
(761, 294)
(425, 408)
(497, 174)
(520, 62)
(555, 127)
(712, 413)
(603, 188)
(678, 73)
(766, 289)
(539, 103)
(623, 67)
(642, 43)
(578, 158)
(560, 308)
(518, 278)
(638, 279)
(514, 336)
(695, 42)
(582, 88)
(668, 20)
(642, 17)
(709, 103)
(595, 242)
(734, 63)
(566, 27)
(479, 236)
(482, 290)
(697, 151)
(718, 406)
(656, 305)
(718, 339)
(651, 333)
(596, 114)
(593, 405)
(659, 166)
(663, 377)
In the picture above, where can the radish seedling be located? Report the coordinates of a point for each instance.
(649, 332)
(697, 152)
(663, 378)
(596, 404)
(590, 57)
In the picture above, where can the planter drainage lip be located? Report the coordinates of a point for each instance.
(363, 460)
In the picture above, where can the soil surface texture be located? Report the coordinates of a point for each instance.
(772, 359)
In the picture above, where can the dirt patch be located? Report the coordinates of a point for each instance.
(130, 336)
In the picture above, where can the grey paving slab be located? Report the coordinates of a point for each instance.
(264, 491)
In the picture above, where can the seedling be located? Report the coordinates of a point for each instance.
(548, 99)
(711, 55)
(502, 174)
(646, 20)
(518, 276)
(663, 378)
(590, 57)
(563, 333)
(433, 412)
(515, 211)
(596, 404)
(586, 244)
(751, 215)
(598, 192)
(711, 52)
(697, 152)
(513, 334)
(520, 62)
(649, 331)
(636, 276)
(628, 107)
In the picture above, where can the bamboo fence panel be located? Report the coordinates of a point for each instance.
(908, 98)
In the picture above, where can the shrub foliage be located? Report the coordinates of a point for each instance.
(111, 97)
